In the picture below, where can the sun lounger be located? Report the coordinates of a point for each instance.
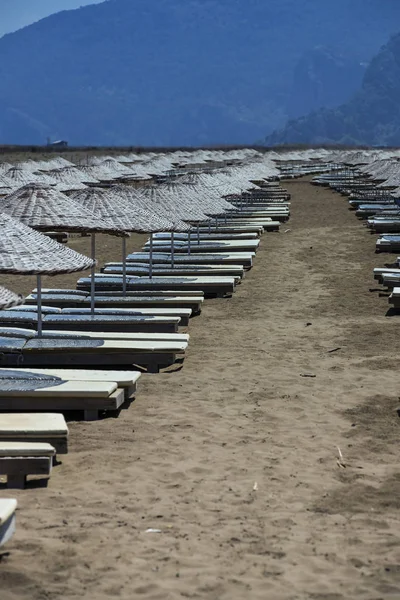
(8, 507)
(210, 286)
(130, 300)
(394, 298)
(139, 269)
(380, 272)
(96, 335)
(204, 246)
(26, 391)
(204, 235)
(20, 459)
(232, 228)
(388, 243)
(106, 353)
(49, 310)
(131, 293)
(266, 211)
(263, 222)
(183, 314)
(221, 258)
(384, 225)
(68, 350)
(60, 291)
(96, 322)
(125, 380)
(49, 428)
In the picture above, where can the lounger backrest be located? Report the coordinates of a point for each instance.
(34, 308)
(11, 344)
(17, 332)
(59, 291)
(13, 316)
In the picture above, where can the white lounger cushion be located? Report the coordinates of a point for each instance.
(71, 389)
(17, 332)
(163, 312)
(192, 279)
(88, 319)
(115, 345)
(52, 425)
(8, 506)
(111, 335)
(59, 291)
(119, 377)
(50, 310)
(26, 449)
(250, 244)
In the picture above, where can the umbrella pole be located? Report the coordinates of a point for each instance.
(39, 304)
(151, 257)
(189, 241)
(209, 226)
(216, 222)
(226, 219)
(92, 283)
(124, 266)
(172, 250)
(198, 234)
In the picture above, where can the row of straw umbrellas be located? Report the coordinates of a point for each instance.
(114, 210)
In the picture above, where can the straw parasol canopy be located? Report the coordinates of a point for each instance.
(41, 207)
(25, 251)
(117, 205)
(9, 299)
(71, 176)
(16, 177)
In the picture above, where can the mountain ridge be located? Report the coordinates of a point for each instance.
(171, 72)
(371, 116)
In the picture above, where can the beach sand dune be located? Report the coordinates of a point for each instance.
(234, 458)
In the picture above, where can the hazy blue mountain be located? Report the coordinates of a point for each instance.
(15, 14)
(323, 78)
(372, 116)
(170, 72)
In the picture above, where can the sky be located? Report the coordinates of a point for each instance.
(15, 14)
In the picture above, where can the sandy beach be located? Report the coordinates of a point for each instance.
(234, 457)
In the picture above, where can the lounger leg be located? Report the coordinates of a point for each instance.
(91, 415)
(17, 481)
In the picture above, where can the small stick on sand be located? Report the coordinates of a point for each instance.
(340, 462)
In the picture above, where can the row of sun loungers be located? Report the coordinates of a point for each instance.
(382, 216)
(137, 322)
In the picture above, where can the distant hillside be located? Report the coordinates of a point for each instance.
(371, 117)
(323, 78)
(182, 72)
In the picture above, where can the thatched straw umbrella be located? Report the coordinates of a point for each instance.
(25, 251)
(178, 201)
(149, 201)
(9, 299)
(115, 205)
(17, 177)
(46, 209)
(71, 176)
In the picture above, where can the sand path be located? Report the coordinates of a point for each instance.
(234, 457)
